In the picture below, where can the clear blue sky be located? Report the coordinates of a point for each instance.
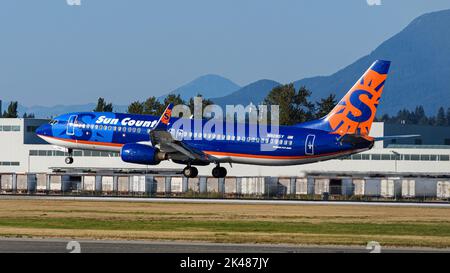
(53, 53)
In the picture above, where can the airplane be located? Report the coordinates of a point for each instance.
(148, 140)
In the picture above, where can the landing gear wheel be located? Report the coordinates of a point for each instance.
(219, 172)
(69, 160)
(190, 172)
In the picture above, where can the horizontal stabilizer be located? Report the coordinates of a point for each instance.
(394, 137)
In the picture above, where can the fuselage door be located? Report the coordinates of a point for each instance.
(309, 144)
(71, 125)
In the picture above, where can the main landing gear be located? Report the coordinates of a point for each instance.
(69, 159)
(219, 172)
(190, 172)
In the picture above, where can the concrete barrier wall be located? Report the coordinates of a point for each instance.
(390, 188)
(137, 184)
(89, 183)
(41, 182)
(160, 184)
(107, 183)
(230, 185)
(443, 189)
(384, 187)
(55, 183)
(22, 182)
(284, 186)
(252, 185)
(123, 184)
(358, 187)
(176, 184)
(321, 185)
(212, 184)
(6, 182)
(193, 184)
(301, 186)
(408, 188)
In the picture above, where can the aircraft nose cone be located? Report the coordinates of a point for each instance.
(42, 130)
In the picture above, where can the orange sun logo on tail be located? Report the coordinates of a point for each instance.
(355, 113)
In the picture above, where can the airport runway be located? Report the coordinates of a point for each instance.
(224, 201)
(13, 245)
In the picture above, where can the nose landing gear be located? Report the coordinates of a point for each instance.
(69, 159)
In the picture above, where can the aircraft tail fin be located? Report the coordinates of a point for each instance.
(355, 112)
(164, 120)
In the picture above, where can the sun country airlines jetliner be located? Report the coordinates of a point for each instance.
(148, 140)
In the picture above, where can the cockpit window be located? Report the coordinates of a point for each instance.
(53, 122)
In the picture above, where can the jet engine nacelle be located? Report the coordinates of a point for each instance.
(141, 154)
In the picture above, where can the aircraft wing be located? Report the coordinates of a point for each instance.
(177, 150)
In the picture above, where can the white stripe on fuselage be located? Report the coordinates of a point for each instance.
(222, 158)
(282, 162)
(78, 145)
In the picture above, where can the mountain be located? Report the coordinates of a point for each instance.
(254, 93)
(420, 69)
(419, 75)
(209, 86)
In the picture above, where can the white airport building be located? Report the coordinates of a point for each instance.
(23, 152)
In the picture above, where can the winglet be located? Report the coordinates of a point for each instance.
(164, 120)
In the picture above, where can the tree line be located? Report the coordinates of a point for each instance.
(295, 106)
(419, 117)
(151, 106)
(12, 112)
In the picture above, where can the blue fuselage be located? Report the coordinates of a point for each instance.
(233, 142)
